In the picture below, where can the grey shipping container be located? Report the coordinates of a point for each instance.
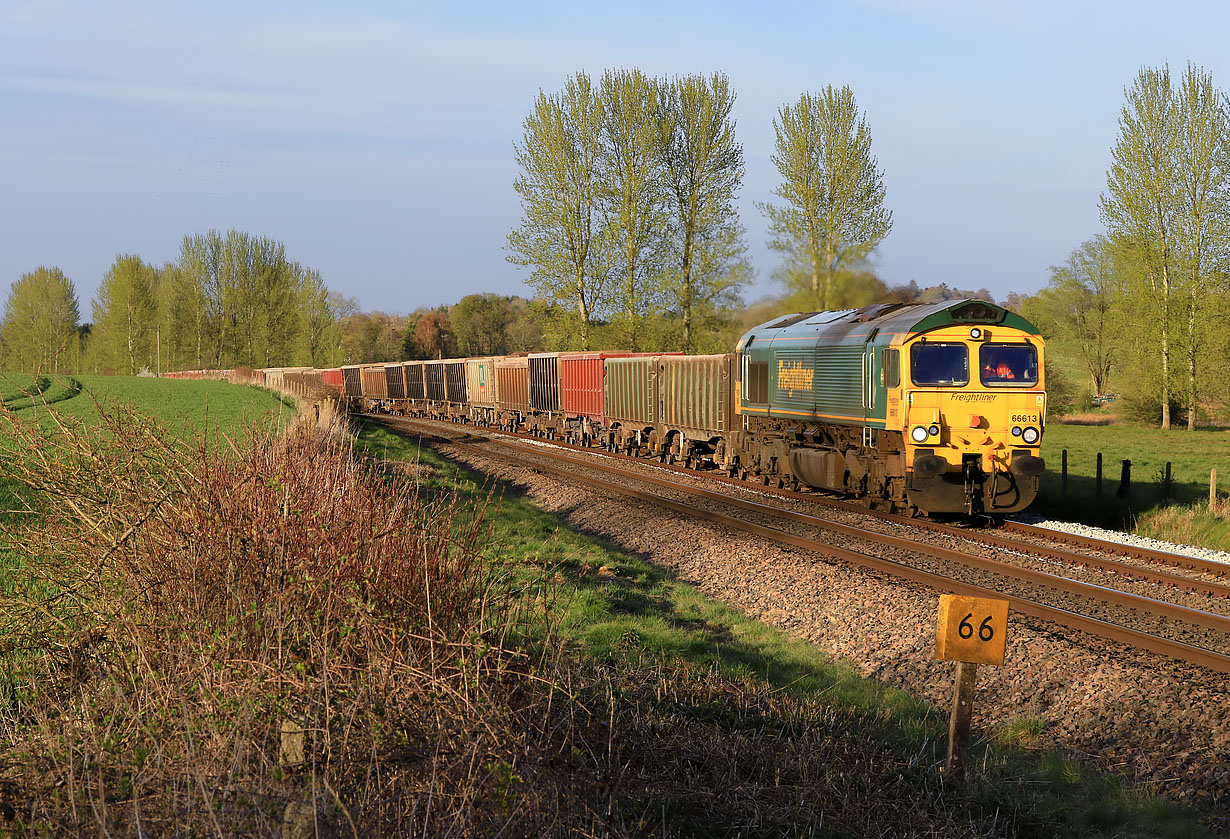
(544, 381)
(455, 381)
(396, 381)
(414, 380)
(694, 391)
(352, 382)
(433, 374)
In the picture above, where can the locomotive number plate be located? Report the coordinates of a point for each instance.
(971, 629)
(1026, 418)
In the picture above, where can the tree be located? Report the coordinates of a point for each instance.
(433, 335)
(125, 316)
(563, 237)
(702, 165)
(322, 341)
(631, 188)
(480, 324)
(833, 214)
(238, 300)
(1167, 207)
(1202, 231)
(1139, 205)
(1078, 304)
(41, 319)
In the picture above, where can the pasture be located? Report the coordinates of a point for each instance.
(1152, 506)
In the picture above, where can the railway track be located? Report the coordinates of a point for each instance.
(1199, 635)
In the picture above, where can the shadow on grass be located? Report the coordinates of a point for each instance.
(1083, 502)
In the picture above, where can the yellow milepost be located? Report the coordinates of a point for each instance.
(973, 629)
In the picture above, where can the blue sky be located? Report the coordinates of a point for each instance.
(375, 139)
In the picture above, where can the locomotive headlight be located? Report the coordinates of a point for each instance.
(975, 333)
(1016, 431)
(933, 430)
(919, 434)
(1030, 435)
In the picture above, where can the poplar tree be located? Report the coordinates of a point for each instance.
(1167, 206)
(321, 338)
(631, 187)
(125, 316)
(1202, 234)
(563, 237)
(833, 213)
(41, 316)
(702, 165)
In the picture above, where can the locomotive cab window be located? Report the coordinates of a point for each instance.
(892, 368)
(756, 383)
(1008, 365)
(939, 364)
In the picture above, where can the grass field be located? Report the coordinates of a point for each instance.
(1150, 507)
(185, 409)
(650, 615)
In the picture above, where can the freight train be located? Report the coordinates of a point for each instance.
(918, 408)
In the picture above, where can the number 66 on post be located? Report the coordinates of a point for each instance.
(972, 629)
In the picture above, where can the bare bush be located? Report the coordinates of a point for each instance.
(177, 605)
(281, 639)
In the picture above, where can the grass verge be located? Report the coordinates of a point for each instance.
(882, 748)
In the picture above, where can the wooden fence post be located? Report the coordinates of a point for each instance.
(1125, 480)
(1098, 489)
(1213, 489)
(1063, 480)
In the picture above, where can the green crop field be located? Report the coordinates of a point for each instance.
(185, 407)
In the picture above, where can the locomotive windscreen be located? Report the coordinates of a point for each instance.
(940, 364)
(1008, 364)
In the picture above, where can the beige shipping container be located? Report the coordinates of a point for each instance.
(481, 382)
(375, 382)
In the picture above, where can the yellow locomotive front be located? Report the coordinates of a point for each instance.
(972, 411)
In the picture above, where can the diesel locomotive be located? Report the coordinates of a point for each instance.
(920, 408)
(937, 408)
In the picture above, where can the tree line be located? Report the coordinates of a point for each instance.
(629, 225)
(229, 300)
(1145, 306)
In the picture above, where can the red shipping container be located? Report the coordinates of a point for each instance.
(581, 381)
(333, 378)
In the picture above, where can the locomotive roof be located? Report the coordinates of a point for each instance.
(885, 319)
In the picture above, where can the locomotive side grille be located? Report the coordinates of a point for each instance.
(839, 380)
